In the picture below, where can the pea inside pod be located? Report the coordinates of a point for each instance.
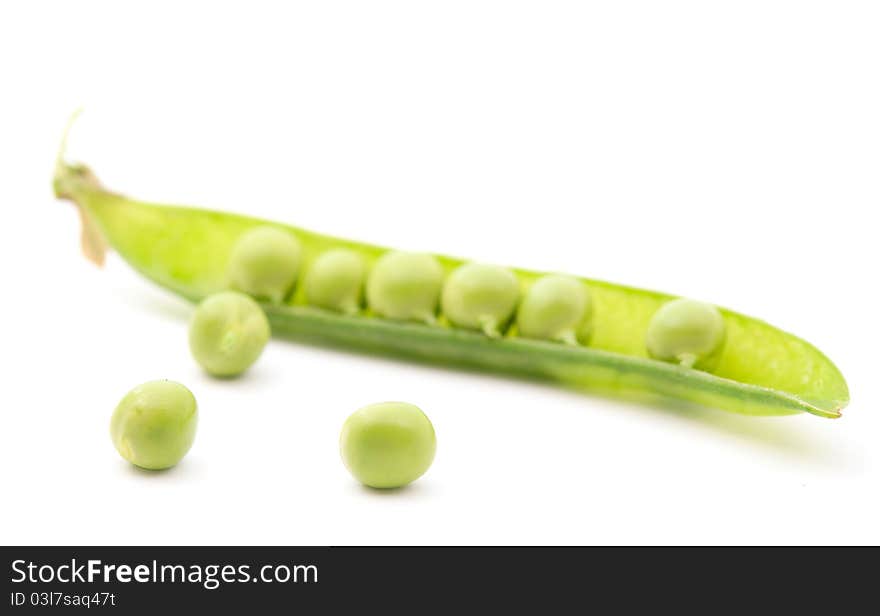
(264, 263)
(335, 281)
(405, 286)
(556, 308)
(479, 296)
(687, 332)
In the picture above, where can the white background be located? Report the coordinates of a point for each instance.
(722, 150)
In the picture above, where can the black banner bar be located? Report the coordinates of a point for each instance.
(150, 580)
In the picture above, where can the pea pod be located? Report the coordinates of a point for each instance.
(761, 371)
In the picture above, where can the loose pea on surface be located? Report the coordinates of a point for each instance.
(227, 333)
(687, 332)
(264, 263)
(557, 308)
(154, 425)
(405, 286)
(479, 296)
(335, 281)
(387, 445)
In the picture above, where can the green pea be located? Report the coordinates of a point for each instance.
(335, 281)
(154, 425)
(405, 286)
(387, 445)
(556, 308)
(264, 263)
(687, 332)
(478, 296)
(227, 333)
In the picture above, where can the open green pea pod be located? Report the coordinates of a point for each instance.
(761, 370)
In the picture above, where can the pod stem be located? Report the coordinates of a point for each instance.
(72, 182)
